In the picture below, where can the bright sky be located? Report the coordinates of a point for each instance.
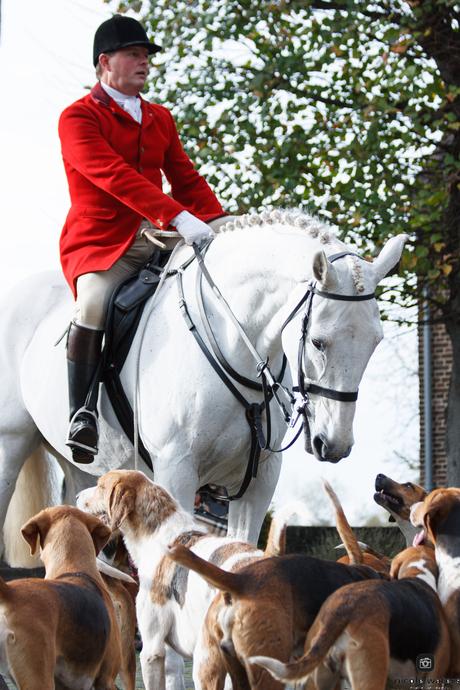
(45, 63)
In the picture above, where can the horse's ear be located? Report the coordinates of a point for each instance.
(388, 257)
(323, 271)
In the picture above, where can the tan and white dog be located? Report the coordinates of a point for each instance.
(61, 632)
(372, 633)
(172, 602)
(270, 604)
(397, 499)
(439, 518)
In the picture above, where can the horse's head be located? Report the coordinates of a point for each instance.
(340, 330)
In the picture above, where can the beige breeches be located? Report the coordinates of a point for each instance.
(94, 290)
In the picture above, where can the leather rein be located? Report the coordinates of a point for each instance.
(270, 385)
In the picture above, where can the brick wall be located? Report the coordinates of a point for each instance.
(441, 356)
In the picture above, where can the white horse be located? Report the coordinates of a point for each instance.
(192, 425)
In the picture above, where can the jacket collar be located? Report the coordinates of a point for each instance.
(99, 95)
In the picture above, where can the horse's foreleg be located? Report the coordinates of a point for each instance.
(179, 477)
(75, 480)
(246, 516)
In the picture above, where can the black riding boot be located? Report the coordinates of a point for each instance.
(83, 354)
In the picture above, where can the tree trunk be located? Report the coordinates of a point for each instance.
(452, 440)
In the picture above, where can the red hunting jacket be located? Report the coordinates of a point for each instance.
(113, 166)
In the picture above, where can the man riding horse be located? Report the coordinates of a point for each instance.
(115, 147)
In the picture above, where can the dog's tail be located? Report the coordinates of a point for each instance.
(223, 580)
(276, 542)
(343, 528)
(109, 570)
(372, 552)
(366, 549)
(329, 624)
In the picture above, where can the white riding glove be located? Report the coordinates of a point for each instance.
(191, 229)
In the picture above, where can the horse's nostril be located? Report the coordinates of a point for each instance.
(320, 448)
(324, 452)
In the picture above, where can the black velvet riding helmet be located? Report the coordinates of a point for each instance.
(120, 32)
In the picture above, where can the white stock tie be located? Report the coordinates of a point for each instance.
(132, 105)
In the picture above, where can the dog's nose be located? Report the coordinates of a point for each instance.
(381, 476)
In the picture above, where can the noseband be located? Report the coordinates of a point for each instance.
(305, 387)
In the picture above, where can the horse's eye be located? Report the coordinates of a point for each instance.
(317, 343)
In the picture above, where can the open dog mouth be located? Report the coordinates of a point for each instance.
(387, 501)
(388, 498)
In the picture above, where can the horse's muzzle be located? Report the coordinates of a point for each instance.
(319, 447)
(326, 453)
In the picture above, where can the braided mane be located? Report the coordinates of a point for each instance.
(311, 225)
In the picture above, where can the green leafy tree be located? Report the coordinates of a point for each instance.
(351, 108)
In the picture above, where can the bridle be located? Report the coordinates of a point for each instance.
(270, 385)
(305, 387)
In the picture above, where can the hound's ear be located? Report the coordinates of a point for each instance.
(100, 536)
(121, 504)
(323, 271)
(35, 530)
(436, 512)
(100, 532)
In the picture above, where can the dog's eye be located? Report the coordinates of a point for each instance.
(408, 485)
(317, 344)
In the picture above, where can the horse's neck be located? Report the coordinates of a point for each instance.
(260, 271)
(257, 285)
